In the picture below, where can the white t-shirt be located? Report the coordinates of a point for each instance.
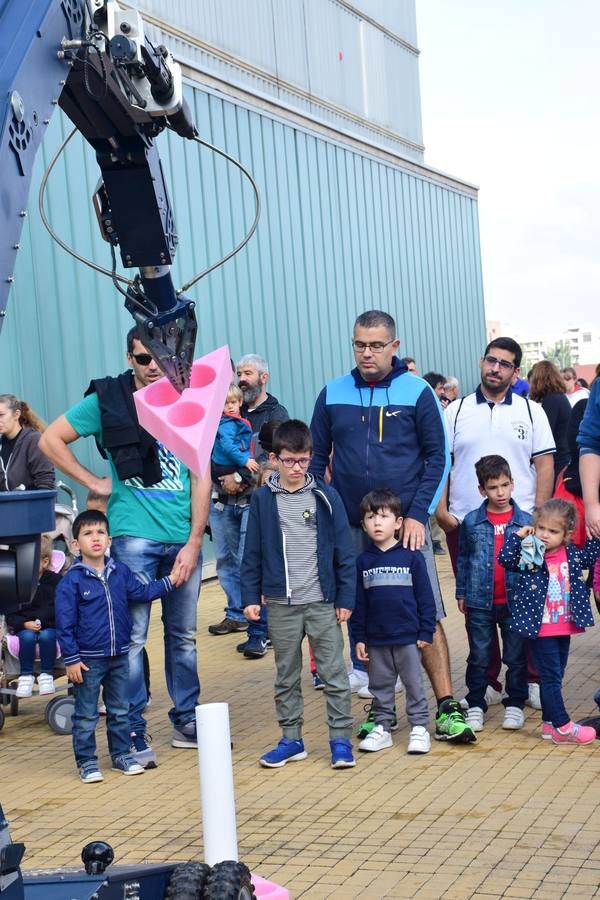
(580, 393)
(517, 429)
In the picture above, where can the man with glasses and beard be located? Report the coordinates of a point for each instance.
(229, 514)
(157, 511)
(496, 420)
(386, 430)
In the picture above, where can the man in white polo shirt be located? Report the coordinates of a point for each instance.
(495, 420)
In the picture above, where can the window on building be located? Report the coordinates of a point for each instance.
(587, 337)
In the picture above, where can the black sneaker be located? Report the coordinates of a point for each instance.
(185, 736)
(256, 648)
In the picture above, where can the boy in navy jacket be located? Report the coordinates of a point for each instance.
(394, 618)
(93, 630)
(298, 560)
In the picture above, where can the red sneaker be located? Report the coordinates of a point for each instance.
(572, 733)
(546, 731)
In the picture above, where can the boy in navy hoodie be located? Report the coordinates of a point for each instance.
(393, 619)
(93, 629)
(298, 561)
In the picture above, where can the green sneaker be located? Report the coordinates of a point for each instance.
(450, 724)
(369, 724)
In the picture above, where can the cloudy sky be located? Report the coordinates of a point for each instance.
(510, 95)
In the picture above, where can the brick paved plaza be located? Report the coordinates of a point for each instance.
(511, 816)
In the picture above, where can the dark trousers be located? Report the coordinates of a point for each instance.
(482, 631)
(112, 673)
(46, 638)
(551, 655)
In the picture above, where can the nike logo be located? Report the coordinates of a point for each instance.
(395, 413)
(86, 593)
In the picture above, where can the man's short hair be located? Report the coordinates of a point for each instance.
(407, 360)
(508, 344)
(380, 498)
(133, 335)
(252, 359)
(374, 318)
(492, 466)
(434, 379)
(89, 517)
(293, 435)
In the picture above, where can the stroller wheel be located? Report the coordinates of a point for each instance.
(4, 698)
(1, 718)
(14, 705)
(59, 713)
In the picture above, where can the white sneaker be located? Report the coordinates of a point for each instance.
(474, 718)
(25, 686)
(514, 718)
(46, 684)
(492, 696)
(358, 680)
(534, 699)
(365, 694)
(419, 740)
(463, 703)
(377, 740)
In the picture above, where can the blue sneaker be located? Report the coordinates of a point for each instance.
(255, 648)
(318, 683)
(341, 754)
(597, 698)
(285, 751)
(127, 765)
(142, 752)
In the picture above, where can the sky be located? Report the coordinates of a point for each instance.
(510, 98)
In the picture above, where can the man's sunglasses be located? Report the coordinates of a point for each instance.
(143, 359)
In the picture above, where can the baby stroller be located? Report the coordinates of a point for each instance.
(59, 708)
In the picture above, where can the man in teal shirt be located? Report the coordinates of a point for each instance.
(154, 527)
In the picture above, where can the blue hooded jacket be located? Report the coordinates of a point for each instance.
(388, 435)
(92, 610)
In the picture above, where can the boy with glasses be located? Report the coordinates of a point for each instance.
(298, 560)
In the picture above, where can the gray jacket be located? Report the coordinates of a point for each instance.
(27, 465)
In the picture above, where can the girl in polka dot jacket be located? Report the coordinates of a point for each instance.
(550, 603)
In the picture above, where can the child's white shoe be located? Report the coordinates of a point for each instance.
(46, 684)
(514, 718)
(419, 740)
(377, 740)
(25, 686)
(474, 718)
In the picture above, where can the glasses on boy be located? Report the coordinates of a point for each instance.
(289, 461)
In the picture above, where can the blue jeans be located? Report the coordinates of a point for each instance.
(228, 530)
(481, 628)
(46, 638)
(149, 560)
(551, 655)
(112, 673)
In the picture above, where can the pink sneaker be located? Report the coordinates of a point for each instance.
(546, 731)
(572, 733)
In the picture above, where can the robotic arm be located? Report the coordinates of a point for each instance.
(93, 59)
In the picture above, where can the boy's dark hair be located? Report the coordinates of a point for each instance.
(561, 509)
(293, 435)
(89, 517)
(492, 466)
(506, 343)
(265, 435)
(380, 498)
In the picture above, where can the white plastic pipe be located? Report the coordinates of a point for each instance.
(217, 796)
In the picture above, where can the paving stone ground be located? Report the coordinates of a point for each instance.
(511, 816)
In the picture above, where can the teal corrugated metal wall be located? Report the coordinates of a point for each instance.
(341, 232)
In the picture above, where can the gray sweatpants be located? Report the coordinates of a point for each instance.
(288, 626)
(385, 664)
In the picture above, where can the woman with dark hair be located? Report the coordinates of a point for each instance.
(22, 463)
(547, 387)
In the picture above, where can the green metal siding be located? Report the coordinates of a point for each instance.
(341, 232)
